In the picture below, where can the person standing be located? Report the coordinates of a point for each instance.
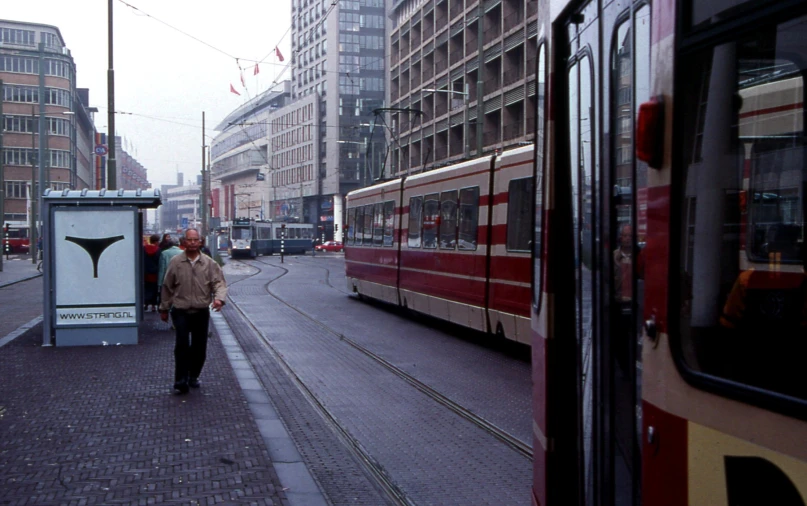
(151, 265)
(191, 282)
(165, 258)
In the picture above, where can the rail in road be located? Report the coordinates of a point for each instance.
(333, 278)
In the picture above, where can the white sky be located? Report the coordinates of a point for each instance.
(166, 79)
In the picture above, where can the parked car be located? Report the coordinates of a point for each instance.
(329, 246)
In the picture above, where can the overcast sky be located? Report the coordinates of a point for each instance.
(164, 78)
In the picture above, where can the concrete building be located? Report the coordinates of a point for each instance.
(39, 85)
(131, 173)
(485, 48)
(240, 159)
(181, 207)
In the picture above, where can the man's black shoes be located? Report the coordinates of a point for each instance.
(194, 383)
(181, 387)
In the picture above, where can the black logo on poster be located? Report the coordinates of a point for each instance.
(94, 247)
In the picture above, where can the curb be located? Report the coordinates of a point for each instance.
(9, 283)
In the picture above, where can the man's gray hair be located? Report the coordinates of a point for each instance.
(199, 234)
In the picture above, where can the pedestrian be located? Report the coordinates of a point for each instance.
(151, 266)
(205, 249)
(166, 242)
(165, 258)
(192, 281)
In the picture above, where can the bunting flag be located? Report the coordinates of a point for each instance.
(256, 71)
(244, 84)
(233, 90)
(277, 53)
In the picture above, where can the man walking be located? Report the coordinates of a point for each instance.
(190, 283)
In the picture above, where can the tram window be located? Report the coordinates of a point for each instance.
(519, 214)
(240, 233)
(389, 222)
(448, 219)
(367, 239)
(431, 220)
(415, 213)
(468, 218)
(378, 224)
(351, 225)
(743, 307)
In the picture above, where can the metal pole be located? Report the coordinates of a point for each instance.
(2, 182)
(32, 193)
(112, 176)
(480, 85)
(204, 182)
(43, 142)
(282, 242)
(467, 148)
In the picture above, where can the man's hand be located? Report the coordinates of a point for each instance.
(164, 316)
(217, 305)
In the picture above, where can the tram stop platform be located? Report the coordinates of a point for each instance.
(102, 424)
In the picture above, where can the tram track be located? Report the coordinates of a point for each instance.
(514, 443)
(395, 495)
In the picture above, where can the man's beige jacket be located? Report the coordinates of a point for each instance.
(192, 286)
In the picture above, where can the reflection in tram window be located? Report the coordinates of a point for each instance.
(415, 213)
(389, 209)
(367, 238)
(469, 218)
(519, 214)
(448, 219)
(378, 224)
(431, 218)
(744, 289)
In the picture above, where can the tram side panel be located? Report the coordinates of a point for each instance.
(510, 262)
(444, 243)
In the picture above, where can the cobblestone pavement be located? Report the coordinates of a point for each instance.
(20, 302)
(101, 425)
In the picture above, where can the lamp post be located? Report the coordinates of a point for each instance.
(465, 94)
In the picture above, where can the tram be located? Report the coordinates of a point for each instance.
(249, 238)
(669, 296)
(452, 243)
(16, 237)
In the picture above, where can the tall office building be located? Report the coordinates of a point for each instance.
(479, 56)
(38, 74)
(338, 57)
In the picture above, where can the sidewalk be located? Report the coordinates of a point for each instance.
(101, 425)
(17, 268)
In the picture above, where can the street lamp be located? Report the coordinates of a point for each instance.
(465, 95)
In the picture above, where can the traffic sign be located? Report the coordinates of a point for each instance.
(184, 223)
(101, 150)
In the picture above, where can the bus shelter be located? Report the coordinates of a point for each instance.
(93, 261)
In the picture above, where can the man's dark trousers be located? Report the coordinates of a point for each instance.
(191, 345)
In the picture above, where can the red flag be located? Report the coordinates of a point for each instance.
(277, 53)
(233, 90)
(257, 69)
(242, 80)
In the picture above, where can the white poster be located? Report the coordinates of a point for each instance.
(95, 264)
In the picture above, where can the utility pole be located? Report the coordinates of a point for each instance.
(32, 194)
(480, 83)
(112, 176)
(204, 182)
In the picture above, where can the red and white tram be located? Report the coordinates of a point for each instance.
(453, 243)
(669, 305)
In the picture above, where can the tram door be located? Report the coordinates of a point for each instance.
(602, 186)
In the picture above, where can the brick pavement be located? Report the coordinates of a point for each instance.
(100, 425)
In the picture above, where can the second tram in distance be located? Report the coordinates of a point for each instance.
(453, 243)
(250, 238)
